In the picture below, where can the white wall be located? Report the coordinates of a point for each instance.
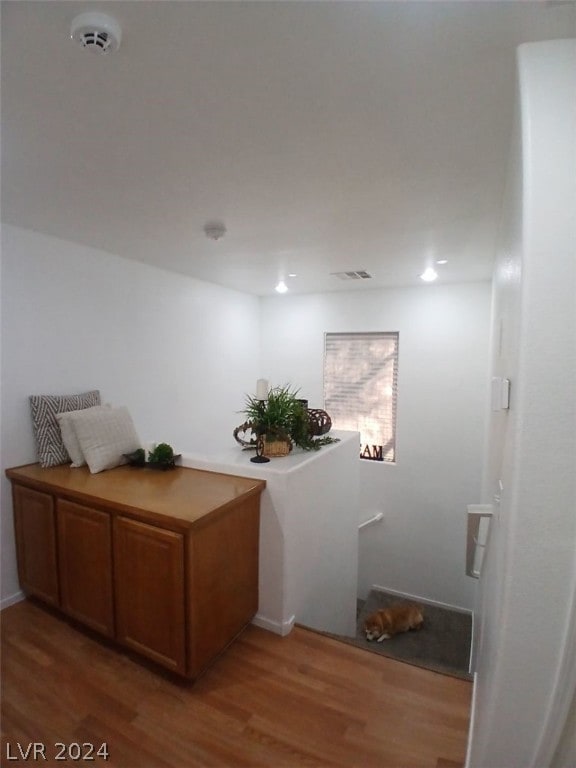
(182, 353)
(419, 549)
(178, 352)
(308, 533)
(526, 670)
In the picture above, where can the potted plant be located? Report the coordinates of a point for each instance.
(162, 456)
(283, 421)
(137, 458)
(272, 419)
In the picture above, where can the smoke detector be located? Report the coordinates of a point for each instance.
(215, 230)
(96, 32)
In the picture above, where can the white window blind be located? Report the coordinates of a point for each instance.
(360, 389)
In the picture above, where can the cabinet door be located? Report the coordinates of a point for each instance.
(85, 565)
(222, 570)
(149, 589)
(35, 531)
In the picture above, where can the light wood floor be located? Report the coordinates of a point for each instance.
(302, 700)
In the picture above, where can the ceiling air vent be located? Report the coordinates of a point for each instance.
(358, 274)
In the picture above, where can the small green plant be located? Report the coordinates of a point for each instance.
(162, 454)
(139, 456)
(302, 436)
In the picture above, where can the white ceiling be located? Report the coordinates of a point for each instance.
(327, 136)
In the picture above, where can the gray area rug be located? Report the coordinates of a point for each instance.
(442, 645)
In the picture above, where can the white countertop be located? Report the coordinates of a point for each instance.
(236, 460)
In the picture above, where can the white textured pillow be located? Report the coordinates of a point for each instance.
(66, 424)
(104, 436)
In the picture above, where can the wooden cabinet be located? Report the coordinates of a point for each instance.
(35, 531)
(149, 579)
(166, 563)
(85, 565)
(222, 579)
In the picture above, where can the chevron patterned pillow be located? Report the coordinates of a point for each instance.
(49, 443)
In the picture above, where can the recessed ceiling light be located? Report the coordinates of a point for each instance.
(292, 274)
(281, 287)
(429, 275)
(442, 261)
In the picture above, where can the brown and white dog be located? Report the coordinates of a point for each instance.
(387, 622)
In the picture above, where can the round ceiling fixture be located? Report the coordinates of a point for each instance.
(96, 32)
(215, 230)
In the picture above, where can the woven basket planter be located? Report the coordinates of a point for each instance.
(275, 448)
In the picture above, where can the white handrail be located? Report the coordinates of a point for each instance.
(371, 520)
(475, 514)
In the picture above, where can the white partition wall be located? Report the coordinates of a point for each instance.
(420, 546)
(308, 533)
(526, 668)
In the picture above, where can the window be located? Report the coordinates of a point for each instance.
(360, 385)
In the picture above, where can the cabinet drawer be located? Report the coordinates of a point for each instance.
(149, 588)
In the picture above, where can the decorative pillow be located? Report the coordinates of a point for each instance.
(105, 435)
(49, 443)
(66, 424)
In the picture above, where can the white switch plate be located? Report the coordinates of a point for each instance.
(505, 394)
(500, 393)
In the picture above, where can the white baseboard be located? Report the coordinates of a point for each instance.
(472, 664)
(15, 598)
(471, 726)
(417, 598)
(282, 628)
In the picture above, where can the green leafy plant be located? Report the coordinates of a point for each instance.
(162, 454)
(275, 416)
(283, 417)
(301, 433)
(137, 458)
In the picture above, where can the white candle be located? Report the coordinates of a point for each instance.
(262, 389)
